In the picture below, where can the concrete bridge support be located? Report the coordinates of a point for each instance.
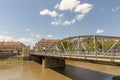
(36, 58)
(50, 62)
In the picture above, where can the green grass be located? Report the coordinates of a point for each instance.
(13, 61)
(116, 78)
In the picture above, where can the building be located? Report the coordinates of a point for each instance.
(14, 47)
(44, 44)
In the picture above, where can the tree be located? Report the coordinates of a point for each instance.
(66, 44)
(90, 43)
(108, 44)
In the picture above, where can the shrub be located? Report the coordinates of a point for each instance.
(116, 78)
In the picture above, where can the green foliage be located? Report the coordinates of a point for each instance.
(87, 39)
(108, 44)
(90, 43)
(118, 44)
(13, 61)
(98, 45)
(65, 44)
(116, 78)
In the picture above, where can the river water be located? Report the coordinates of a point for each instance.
(74, 70)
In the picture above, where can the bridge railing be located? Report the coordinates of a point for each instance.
(109, 58)
(77, 53)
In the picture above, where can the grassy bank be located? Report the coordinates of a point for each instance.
(116, 78)
(14, 61)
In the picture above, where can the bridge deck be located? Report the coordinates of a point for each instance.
(80, 56)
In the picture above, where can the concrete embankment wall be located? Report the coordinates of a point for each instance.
(10, 56)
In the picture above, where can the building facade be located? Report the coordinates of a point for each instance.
(14, 47)
(44, 45)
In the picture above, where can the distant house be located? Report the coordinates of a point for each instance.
(14, 47)
(44, 44)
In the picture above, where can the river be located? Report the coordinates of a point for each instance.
(74, 70)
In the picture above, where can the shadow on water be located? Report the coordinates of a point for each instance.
(78, 73)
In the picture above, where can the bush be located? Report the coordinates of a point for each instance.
(116, 78)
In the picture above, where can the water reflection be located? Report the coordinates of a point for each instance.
(74, 70)
(30, 71)
(77, 73)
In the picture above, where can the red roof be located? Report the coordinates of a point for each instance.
(49, 41)
(11, 44)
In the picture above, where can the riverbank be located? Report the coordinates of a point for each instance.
(116, 78)
(97, 62)
(14, 61)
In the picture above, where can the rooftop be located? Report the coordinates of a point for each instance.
(49, 41)
(11, 43)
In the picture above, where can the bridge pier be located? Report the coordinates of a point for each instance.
(36, 58)
(50, 62)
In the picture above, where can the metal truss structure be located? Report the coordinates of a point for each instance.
(88, 45)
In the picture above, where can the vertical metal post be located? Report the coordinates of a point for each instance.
(95, 49)
(56, 49)
(78, 44)
(94, 44)
(68, 49)
(102, 44)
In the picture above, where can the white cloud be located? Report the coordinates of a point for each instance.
(59, 22)
(67, 23)
(64, 23)
(116, 9)
(83, 8)
(56, 22)
(74, 6)
(100, 31)
(56, 6)
(79, 17)
(73, 21)
(48, 12)
(61, 15)
(6, 38)
(68, 4)
(26, 39)
(49, 36)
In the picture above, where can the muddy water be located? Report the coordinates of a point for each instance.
(74, 70)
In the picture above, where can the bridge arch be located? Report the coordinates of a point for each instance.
(89, 47)
(88, 44)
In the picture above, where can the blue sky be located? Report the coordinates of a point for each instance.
(28, 21)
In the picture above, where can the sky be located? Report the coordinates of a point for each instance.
(28, 21)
